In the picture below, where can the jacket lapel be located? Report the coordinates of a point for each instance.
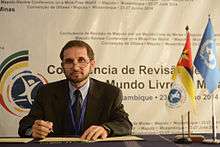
(60, 104)
(94, 105)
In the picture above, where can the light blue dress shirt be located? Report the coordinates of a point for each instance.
(84, 91)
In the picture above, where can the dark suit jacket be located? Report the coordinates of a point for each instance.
(103, 107)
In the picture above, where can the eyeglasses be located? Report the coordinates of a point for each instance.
(69, 63)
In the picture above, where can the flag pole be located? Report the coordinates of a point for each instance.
(213, 120)
(189, 131)
(192, 138)
(182, 139)
(211, 92)
(214, 139)
(213, 115)
(188, 114)
(182, 126)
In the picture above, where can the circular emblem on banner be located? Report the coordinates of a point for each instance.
(176, 97)
(24, 87)
(18, 85)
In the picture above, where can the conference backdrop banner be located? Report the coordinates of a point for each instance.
(137, 44)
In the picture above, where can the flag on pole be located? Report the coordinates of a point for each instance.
(205, 60)
(182, 94)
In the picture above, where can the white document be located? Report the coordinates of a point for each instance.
(73, 139)
(15, 140)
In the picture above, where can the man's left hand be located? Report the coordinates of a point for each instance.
(94, 132)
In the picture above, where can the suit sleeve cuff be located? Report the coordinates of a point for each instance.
(109, 131)
(28, 132)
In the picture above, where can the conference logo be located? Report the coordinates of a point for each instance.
(18, 84)
(176, 97)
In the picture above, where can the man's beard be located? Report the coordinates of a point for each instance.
(75, 81)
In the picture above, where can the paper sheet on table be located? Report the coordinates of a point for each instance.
(72, 139)
(15, 140)
(122, 138)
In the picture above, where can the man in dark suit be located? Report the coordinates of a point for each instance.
(78, 105)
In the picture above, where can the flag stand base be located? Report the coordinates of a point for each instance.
(211, 141)
(197, 138)
(194, 138)
(182, 140)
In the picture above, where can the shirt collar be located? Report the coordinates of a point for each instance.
(84, 89)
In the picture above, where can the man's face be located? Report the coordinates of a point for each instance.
(77, 65)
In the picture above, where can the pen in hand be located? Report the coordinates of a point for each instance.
(51, 126)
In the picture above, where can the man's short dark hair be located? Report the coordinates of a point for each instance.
(78, 43)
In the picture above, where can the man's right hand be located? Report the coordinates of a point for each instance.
(41, 128)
